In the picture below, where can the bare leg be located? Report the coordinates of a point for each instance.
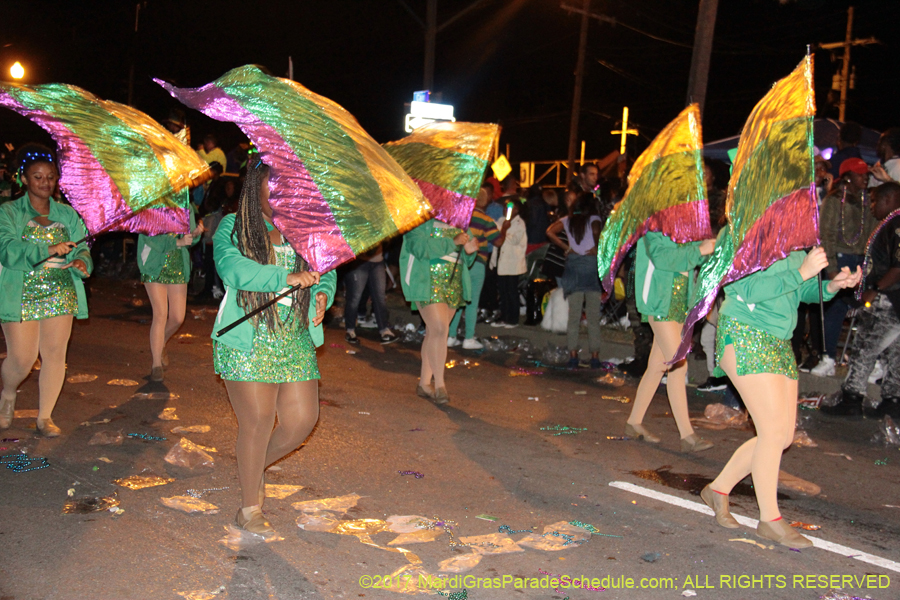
(666, 337)
(434, 347)
(169, 302)
(255, 405)
(54, 343)
(297, 406)
(22, 344)
(772, 402)
(160, 304)
(177, 294)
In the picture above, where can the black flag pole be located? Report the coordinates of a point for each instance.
(89, 236)
(821, 311)
(256, 311)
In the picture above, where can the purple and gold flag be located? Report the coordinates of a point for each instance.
(665, 193)
(120, 169)
(335, 193)
(448, 161)
(771, 204)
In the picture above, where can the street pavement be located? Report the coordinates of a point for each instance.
(486, 454)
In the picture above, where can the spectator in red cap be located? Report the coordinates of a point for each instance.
(845, 223)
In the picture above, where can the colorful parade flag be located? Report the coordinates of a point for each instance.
(448, 161)
(120, 169)
(771, 203)
(335, 193)
(665, 193)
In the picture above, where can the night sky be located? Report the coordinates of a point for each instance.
(507, 61)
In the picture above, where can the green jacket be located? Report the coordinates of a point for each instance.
(658, 261)
(152, 251)
(241, 273)
(416, 254)
(769, 299)
(18, 257)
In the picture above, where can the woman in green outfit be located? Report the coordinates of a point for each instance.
(753, 347)
(434, 273)
(165, 265)
(268, 362)
(663, 276)
(37, 303)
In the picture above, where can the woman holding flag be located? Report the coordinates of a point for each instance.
(37, 304)
(268, 362)
(772, 215)
(165, 265)
(753, 347)
(434, 272)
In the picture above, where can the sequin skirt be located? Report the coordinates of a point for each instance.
(678, 306)
(276, 357)
(446, 284)
(756, 351)
(48, 293)
(172, 271)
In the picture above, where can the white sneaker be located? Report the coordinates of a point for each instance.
(877, 372)
(825, 368)
(472, 344)
(367, 323)
(217, 292)
(452, 342)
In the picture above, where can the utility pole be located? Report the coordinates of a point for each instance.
(703, 41)
(134, 43)
(586, 14)
(431, 27)
(430, 42)
(845, 66)
(579, 82)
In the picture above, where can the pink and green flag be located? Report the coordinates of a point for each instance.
(666, 193)
(448, 161)
(771, 203)
(335, 193)
(120, 169)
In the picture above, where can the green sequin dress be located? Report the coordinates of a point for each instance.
(678, 306)
(277, 356)
(446, 275)
(172, 271)
(755, 350)
(49, 291)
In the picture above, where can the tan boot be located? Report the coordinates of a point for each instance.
(640, 432)
(780, 531)
(695, 443)
(47, 428)
(251, 519)
(719, 503)
(440, 396)
(7, 412)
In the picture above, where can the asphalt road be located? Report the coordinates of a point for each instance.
(484, 454)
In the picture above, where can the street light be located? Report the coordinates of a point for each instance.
(17, 70)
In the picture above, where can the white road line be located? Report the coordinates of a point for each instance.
(845, 551)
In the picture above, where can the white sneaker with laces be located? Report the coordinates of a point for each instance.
(472, 344)
(877, 372)
(452, 342)
(825, 368)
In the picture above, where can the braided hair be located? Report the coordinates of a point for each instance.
(251, 238)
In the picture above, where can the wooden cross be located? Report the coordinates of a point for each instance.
(624, 132)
